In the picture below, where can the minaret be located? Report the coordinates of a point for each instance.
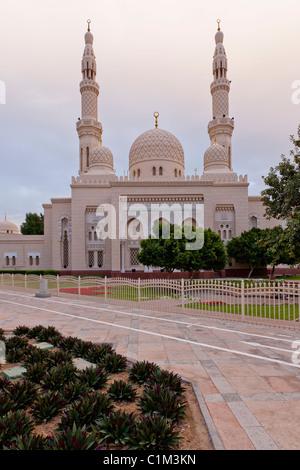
(220, 128)
(88, 128)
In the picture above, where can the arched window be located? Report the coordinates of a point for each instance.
(134, 174)
(87, 156)
(139, 173)
(30, 260)
(7, 260)
(175, 172)
(154, 171)
(13, 261)
(37, 260)
(179, 173)
(160, 171)
(65, 250)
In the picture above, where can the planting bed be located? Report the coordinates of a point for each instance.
(71, 394)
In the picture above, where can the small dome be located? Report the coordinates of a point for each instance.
(101, 158)
(89, 38)
(156, 144)
(215, 156)
(8, 228)
(219, 37)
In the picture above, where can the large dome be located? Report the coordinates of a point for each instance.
(7, 227)
(156, 144)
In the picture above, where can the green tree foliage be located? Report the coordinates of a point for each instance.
(174, 251)
(33, 225)
(282, 197)
(249, 249)
(276, 242)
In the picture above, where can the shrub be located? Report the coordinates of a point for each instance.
(21, 330)
(96, 352)
(141, 371)
(28, 442)
(74, 438)
(74, 390)
(167, 379)
(68, 343)
(57, 377)
(32, 355)
(35, 372)
(86, 411)
(16, 342)
(162, 400)
(114, 362)
(6, 403)
(154, 433)
(55, 358)
(22, 393)
(120, 390)
(47, 405)
(93, 377)
(14, 355)
(13, 424)
(116, 427)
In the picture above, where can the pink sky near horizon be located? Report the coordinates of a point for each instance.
(151, 56)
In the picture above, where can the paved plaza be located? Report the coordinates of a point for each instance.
(246, 382)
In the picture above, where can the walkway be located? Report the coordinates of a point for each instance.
(247, 386)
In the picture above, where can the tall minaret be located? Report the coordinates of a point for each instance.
(220, 128)
(88, 128)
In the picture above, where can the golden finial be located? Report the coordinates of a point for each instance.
(219, 21)
(156, 114)
(215, 142)
(89, 22)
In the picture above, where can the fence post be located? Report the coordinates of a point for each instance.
(182, 294)
(79, 285)
(25, 281)
(139, 292)
(243, 299)
(13, 280)
(2, 280)
(57, 284)
(105, 288)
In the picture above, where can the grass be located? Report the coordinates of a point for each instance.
(277, 312)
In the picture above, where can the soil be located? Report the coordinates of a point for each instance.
(192, 429)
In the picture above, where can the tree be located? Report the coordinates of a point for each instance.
(212, 255)
(276, 242)
(162, 250)
(248, 249)
(173, 253)
(33, 225)
(282, 197)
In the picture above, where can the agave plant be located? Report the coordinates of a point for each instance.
(86, 411)
(94, 377)
(116, 427)
(162, 400)
(81, 348)
(47, 405)
(120, 390)
(2, 335)
(141, 371)
(46, 333)
(74, 438)
(28, 442)
(34, 332)
(114, 362)
(154, 433)
(13, 424)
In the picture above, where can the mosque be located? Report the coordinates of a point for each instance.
(98, 228)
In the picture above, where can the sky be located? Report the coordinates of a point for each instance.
(151, 56)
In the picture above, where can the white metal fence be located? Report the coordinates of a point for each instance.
(271, 302)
